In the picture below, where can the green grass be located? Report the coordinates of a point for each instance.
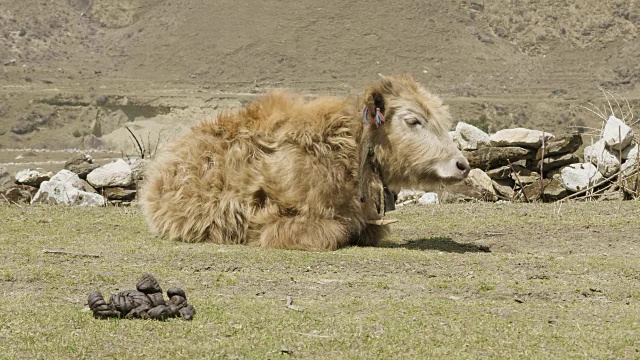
(454, 281)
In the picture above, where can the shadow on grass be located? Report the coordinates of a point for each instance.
(438, 243)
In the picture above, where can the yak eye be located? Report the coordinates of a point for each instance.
(412, 121)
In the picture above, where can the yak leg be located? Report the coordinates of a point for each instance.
(371, 235)
(298, 232)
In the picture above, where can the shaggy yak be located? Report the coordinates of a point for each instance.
(286, 172)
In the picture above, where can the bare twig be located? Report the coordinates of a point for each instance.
(46, 251)
(141, 149)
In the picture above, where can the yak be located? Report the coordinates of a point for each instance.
(297, 173)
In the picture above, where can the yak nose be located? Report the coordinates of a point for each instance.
(463, 165)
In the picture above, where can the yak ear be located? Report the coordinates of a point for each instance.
(386, 83)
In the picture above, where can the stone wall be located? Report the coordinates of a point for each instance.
(511, 165)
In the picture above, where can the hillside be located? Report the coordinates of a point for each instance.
(501, 63)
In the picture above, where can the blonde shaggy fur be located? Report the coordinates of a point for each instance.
(284, 172)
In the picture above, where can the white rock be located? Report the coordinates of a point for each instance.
(64, 189)
(617, 134)
(428, 198)
(630, 152)
(629, 167)
(576, 177)
(519, 137)
(469, 137)
(117, 173)
(599, 155)
(68, 177)
(33, 177)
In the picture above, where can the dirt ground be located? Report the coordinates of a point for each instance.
(67, 63)
(465, 281)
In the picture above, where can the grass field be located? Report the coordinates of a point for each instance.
(454, 281)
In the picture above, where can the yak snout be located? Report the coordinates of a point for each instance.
(455, 169)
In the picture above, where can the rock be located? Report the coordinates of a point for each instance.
(477, 185)
(33, 177)
(630, 152)
(81, 164)
(612, 194)
(119, 193)
(117, 173)
(552, 190)
(64, 189)
(632, 185)
(493, 157)
(406, 195)
(469, 137)
(503, 172)
(87, 187)
(607, 163)
(561, 145)
(629, 167)
(617, 134)
(18, 194)
(504, 188)
(577, 177)
(5, 177)
(557, 161)
(139, 168)
(519, 137)
(524, 176)
(428, 198)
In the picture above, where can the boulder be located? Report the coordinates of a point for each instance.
(629, 167)
(552, 190)
(477, 185)
(502, 172)
(18, 194)
(504, 188)
(607, 163)
(65, 189)
(428, 198)
(33, 177)
(117, 173)
(630, 152)
(577, 177)
(519, 137)
(561, 145)
(469, 137)
(81, 164)
(493, 157)
(119, 193)
(616, 134)
(524, 176)
(557, 161)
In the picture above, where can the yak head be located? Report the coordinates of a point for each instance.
(408, 127)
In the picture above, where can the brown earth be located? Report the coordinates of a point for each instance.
(498, 64)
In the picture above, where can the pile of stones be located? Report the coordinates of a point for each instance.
(80, 183)
(531, 165)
